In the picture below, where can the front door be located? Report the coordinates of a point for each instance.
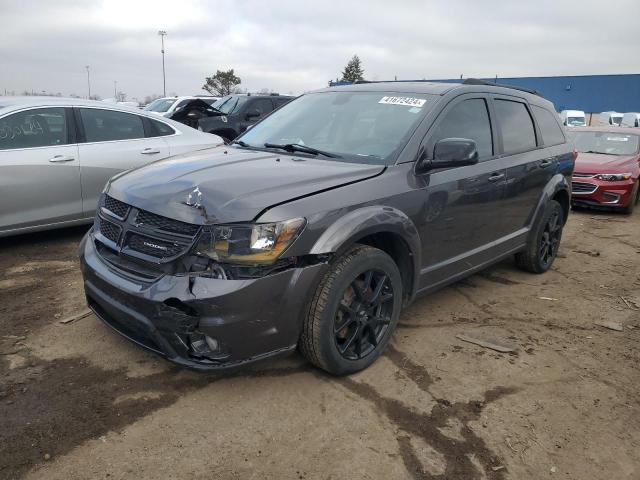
(114, 141)
(39, 169)
(460, 217)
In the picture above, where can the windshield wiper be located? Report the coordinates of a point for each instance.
(600, 153)
(296, 147)
(241, 143)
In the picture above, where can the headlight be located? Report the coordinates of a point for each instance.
(613, 177)
(260, 243)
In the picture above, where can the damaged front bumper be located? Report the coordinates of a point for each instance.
(200, 322)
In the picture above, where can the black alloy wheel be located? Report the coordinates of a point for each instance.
(364, 314)
(550, 240)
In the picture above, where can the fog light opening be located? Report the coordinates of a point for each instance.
(611, 197)
(204, 346)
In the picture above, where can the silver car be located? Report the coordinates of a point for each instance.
(56, 155)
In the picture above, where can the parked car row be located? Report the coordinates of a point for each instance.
(329, 215)
(226, 117)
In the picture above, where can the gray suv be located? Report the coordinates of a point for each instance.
(317, 226)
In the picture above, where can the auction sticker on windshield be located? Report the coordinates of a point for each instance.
(407, 101)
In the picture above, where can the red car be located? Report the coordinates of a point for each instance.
(607, 168)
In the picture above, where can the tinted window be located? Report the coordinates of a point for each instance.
(516, 125)
(106, 125)
(41, 127)
(262, 105)
(549, 128)
(159, 129)
(468, 119)
(281, 101)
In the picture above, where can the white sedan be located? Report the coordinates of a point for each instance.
(56, 154)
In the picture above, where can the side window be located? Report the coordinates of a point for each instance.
(160, 129)
(518, 133)
(263, 105)
(468, 119)
(549, 128)
(281, 101)
(107, 125)
(39, 127)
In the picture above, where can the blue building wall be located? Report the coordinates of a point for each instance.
(590, 93)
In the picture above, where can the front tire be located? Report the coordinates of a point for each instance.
(354, 311)
(544, 241)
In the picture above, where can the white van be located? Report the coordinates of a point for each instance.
(610, 118)
(573, 118)
(631, 119)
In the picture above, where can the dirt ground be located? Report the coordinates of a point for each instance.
(77, 401)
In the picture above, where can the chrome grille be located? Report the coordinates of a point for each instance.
(582, 187)
(582, 175)
(116, 207)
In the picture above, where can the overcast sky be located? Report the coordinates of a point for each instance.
(294, 46)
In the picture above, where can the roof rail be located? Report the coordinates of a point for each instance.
(477, 81)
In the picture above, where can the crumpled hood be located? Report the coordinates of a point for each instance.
(226, 184)
(601, 163)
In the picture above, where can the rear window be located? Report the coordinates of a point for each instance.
(518, 134)
(549, 127)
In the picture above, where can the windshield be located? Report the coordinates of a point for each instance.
(160, 105)
(229, 104)
(605, 142)
(363, 127)
(576, 121)
(616, 120)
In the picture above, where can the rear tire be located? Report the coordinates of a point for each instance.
(353, 312)
(544, 241)
(635, 198)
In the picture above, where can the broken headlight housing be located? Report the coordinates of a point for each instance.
(255, 244)
(613, 177)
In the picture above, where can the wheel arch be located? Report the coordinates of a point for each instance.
(558, 189)
(385, 228)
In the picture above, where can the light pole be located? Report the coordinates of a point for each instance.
(88, 81)
(162, 34)
(115, 90)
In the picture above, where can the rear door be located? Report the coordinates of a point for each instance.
(113, 141)
(529, 165)
(39, 168)
(462, 206)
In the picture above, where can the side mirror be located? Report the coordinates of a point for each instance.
(452, 152)
(252, 114)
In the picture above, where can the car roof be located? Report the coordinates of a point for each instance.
(15, 103)
(573, 112)
(608, 129)
(436, 88)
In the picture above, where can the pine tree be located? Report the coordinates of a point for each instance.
(353, 71)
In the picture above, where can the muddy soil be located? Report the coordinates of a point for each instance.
(77, 401)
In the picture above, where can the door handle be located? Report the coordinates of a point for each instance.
(495, 177)
(149, 151)
(61, 159)
(546, 162)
